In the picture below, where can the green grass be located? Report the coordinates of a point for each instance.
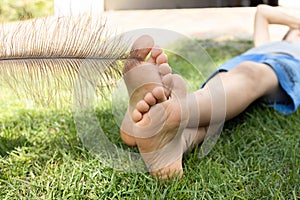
(14, 10)
(41, 156)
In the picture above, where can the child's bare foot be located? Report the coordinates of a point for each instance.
(141, 77)
(158, 134)
(153, 122)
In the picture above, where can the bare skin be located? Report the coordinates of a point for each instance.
(266, 15)
(137, 119)
(152, 132)
(164, 123)
(139, 90)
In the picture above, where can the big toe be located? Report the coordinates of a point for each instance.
(167, 82)
(139, 51)
(142, 47)
(159, 94)
(178, 87)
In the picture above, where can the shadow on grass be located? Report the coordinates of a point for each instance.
(7, 144)
(52, 132)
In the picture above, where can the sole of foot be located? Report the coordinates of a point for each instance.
(158, 134)
(141, 77)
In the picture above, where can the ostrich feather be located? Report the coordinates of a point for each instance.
(41, 59)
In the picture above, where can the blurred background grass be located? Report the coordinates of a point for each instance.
(14, 10)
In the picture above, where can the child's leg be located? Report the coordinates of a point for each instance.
(160, 134)
(241, 86)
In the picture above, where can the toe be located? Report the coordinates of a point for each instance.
(178, 87)
(150, 99)
(141, 47)
(155, 52)
(136, 115)
(164, 69)
(139, 51)
(159, 94)
(167, 82)
(162, 58)
(157, 56)
(142, 106)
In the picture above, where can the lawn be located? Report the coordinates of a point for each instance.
(42, 157)
(15, 10)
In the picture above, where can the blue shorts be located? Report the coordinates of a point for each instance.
(287, 70)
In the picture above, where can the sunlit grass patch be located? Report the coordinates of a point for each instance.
(14, 10)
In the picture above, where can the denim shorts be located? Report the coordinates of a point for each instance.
(287, 70)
